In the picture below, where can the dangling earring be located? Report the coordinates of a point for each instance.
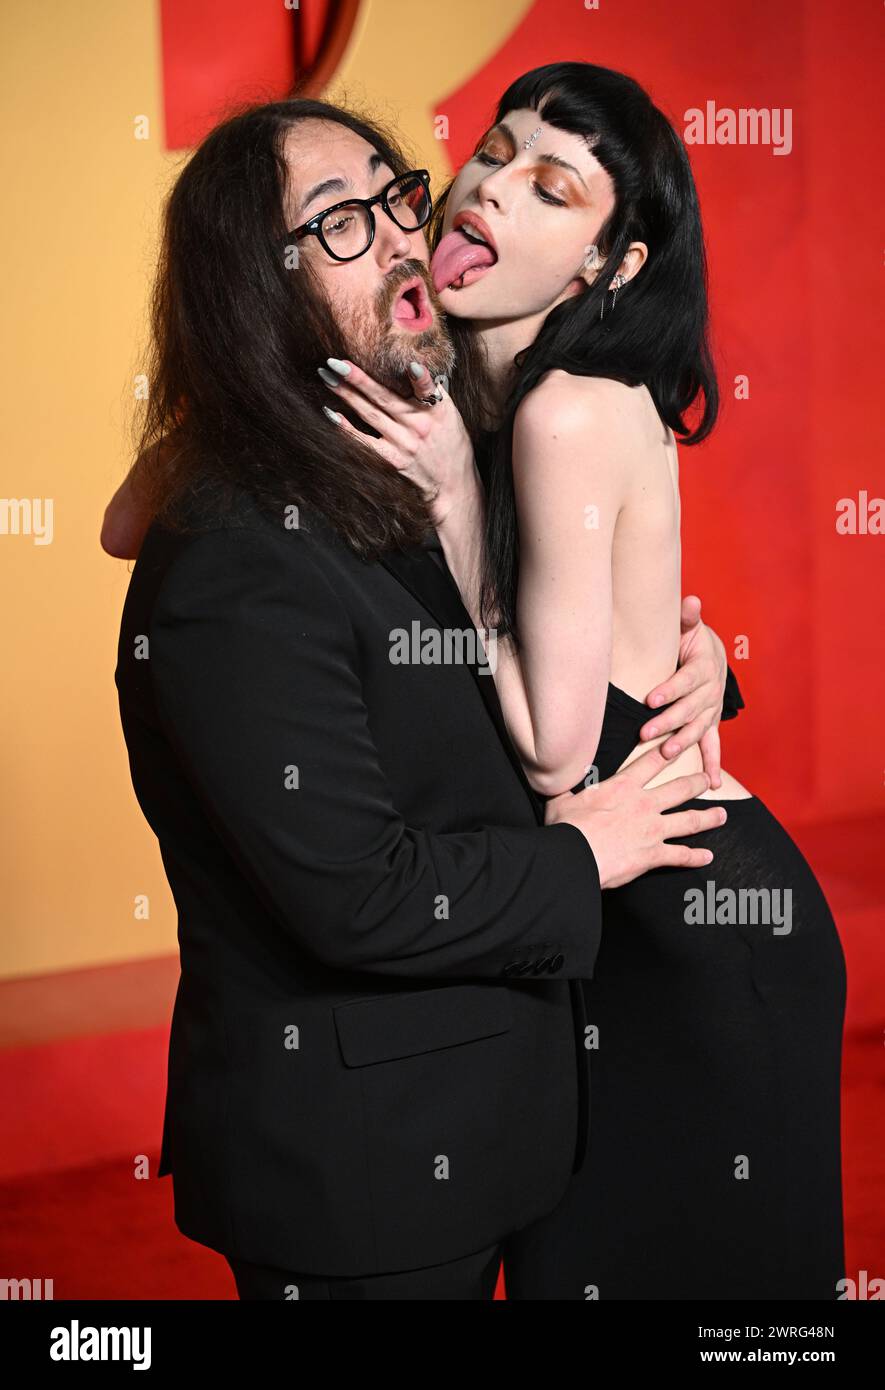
(616, 284)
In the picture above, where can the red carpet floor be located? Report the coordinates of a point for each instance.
(82, 1077)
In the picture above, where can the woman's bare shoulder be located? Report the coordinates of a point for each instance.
(624, 413)
(599, 399)
(571, 430)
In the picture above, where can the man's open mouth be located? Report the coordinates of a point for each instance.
(412, 307)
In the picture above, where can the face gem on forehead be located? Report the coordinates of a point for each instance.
(527, 144)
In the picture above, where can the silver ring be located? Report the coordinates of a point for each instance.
(431, 400)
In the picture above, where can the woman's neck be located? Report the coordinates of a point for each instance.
(501, 340)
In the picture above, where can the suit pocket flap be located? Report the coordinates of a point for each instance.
(388, 1026)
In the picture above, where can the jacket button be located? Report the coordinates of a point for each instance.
(513, 967)
(556, 964)
(541, 965)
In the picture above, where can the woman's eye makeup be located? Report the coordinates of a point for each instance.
(483, 157)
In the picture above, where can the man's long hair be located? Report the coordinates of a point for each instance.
(237, 336)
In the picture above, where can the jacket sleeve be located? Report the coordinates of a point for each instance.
(255, 671)
(732, 700)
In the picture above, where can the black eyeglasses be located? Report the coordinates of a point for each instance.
(346, 230)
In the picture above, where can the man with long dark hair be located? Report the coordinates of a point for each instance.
(376, 1069)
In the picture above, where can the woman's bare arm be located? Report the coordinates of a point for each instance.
(129, 512)
(568, 484)
(126, 519)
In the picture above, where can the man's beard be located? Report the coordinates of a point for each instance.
(372, 340)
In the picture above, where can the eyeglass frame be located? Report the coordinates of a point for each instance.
(312, 227)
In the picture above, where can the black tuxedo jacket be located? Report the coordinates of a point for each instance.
(376, 1058)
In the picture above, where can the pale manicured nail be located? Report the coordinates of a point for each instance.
(333, 415)
(652, 733)
(416, 369)
(338, 366)
(329, 377)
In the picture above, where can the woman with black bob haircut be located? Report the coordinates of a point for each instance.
(662, 343)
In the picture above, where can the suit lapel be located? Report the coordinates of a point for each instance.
(436, 590)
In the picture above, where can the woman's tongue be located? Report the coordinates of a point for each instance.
(455, 254)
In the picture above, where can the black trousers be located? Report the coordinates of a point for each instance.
(474, 1276)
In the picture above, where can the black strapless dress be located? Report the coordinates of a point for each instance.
(713, 1168)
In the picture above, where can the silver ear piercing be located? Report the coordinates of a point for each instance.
(527, 144)
(616, 284)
